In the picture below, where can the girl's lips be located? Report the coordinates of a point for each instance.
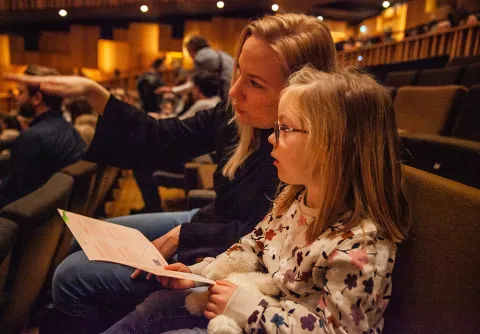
(239, 111)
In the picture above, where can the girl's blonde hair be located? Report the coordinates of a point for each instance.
(353, 151)
(298, 40)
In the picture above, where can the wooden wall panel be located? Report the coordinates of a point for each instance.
(16, 44)
(53, 41)
(417, 14)
(113, 55)
(83, 45)
(120, 35)
(4, 51)
(166, 43)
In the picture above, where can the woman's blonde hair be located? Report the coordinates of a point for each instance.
(352, 150)
(298, 40)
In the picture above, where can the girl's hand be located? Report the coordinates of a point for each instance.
(218, 298)
(176, 283)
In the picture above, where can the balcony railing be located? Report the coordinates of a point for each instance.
(455, 42)
(14, 5)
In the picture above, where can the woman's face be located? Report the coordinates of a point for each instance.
(259, 82)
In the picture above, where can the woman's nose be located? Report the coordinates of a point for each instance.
(235, 91)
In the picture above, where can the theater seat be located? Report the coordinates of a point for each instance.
(471, 76)
(40, 230)
(435, 279)
(401, 78)
(440, 76)
(452, 158)
(8, 235)
(428, 110)
(468, 121)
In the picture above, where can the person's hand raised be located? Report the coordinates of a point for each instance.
(66, 86)
(163, 89)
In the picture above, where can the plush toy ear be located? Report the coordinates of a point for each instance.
(195, 302)
(222, 324)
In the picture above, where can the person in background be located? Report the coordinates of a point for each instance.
(147, 84)
(205, 89)
(206, 59)
(49, 144)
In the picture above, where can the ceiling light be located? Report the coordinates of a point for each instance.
(275, 7)
(363, 29)
(62, 12)
(220, 4)
(320, 17)
(360, 58)
(144, 8)
(386, 4)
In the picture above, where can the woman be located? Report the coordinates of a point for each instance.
(269, 50)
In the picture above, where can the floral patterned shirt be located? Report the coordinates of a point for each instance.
(340, 283)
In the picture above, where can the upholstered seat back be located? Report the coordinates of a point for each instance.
(436, 275)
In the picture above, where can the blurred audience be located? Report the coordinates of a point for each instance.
(45, 147)
(148, 82)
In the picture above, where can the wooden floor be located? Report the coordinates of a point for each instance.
(127, 196)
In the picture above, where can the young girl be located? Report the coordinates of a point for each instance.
(329, 241)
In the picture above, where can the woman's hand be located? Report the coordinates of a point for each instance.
(66, 86)
(218, 298)
(176, 283)
(167, 245)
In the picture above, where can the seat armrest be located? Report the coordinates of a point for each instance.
(198, 198)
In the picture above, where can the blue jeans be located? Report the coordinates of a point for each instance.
(162, 311)
(83, 288)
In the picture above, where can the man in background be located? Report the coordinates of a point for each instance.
(206, 59)
(45, 147)
(205, 93)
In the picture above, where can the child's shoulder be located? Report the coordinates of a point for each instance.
(363, 235)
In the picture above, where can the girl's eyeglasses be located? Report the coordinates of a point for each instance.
(279, 127)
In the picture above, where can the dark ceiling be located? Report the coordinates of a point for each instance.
(176, 11)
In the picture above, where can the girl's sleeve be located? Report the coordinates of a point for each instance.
(347, 296)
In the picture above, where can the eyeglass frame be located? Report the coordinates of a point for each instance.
(280, 127)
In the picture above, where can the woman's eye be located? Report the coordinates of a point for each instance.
(255, 84)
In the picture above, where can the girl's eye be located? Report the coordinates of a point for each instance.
(255, 84)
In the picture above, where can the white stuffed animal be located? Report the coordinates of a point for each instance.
(240, 268)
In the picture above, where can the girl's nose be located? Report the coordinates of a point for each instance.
(271, 139)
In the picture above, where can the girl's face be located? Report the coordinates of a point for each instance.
(289, 152)
(258, 84)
